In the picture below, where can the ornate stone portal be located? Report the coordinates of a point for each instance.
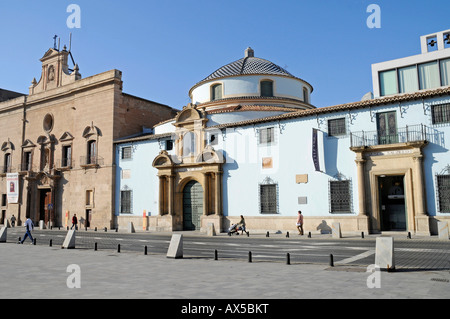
(400, 164)
(190, 182)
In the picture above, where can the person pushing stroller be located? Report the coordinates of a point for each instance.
(235, 228)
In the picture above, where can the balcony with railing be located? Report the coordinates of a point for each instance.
(91, 161)
(408, 134)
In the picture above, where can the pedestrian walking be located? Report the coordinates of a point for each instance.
(13, 220)
(242, 225)
(74, 222)
(29, 227)
(300, 223)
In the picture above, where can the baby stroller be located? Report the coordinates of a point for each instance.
(235, 228)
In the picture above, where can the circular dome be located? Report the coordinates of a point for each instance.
(249, 65)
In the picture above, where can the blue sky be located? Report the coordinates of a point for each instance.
(164, 47)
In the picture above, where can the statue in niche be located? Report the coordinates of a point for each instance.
(51, 73)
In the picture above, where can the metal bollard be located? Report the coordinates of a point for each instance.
(118, 248)
(287, 234)
(34, 241)
(145, 250)
(215, 255)
(362, 234)
(50, 244)
(95, 246)
(106, 229)
(331, 260)
(409, 235)
(249, 256)
(309, 235)
(267, 234)
(288, 259)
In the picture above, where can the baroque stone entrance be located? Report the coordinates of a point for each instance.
(194, 166)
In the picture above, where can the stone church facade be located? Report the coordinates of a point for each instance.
(57, 143)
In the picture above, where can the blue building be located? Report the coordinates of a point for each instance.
(251, 143)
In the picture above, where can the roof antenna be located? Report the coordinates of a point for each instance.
(70, 49)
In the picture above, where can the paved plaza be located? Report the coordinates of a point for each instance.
(40, 271)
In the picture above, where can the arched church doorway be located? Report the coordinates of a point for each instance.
(192, 205)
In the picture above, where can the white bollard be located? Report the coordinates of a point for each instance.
(69, 242)
(384, 253)
(176, 247)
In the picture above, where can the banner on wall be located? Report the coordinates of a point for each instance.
(12, 187)
(318, 155)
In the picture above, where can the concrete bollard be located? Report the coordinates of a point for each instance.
(69, 241)
(3, 235)
(336, 230)
(443, 230)
(176, 247)
(384, 253)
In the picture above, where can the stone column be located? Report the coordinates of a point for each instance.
(170, 195)
(361, 187)
(205, 193)
(218, 194)
(362, 218)
(422, 223)
(418, 186)
(161, 195)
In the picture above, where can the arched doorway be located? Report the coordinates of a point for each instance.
(192, 205)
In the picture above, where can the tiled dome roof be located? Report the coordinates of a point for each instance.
(247, 66)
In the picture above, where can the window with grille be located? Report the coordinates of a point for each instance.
(440, 113)
(125, 202)
(266, 135)
(336, 127)
(126, 152)
(268, 199)
(443, 193)
(340, 196)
